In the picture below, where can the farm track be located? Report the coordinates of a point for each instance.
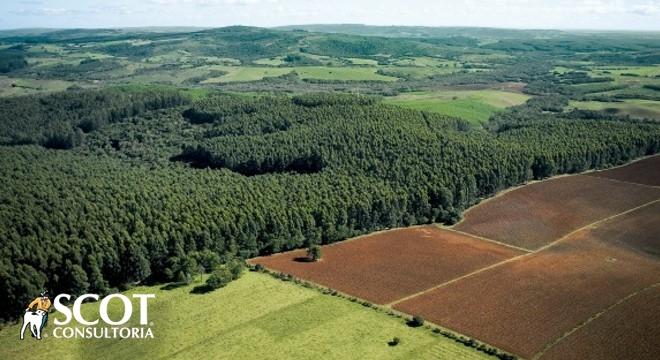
(624, 181)
(551, 344)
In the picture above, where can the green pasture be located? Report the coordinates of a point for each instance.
(636, 108)
(256, 316)
(475, 106)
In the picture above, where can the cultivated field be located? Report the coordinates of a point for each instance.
(535, 215)
(645, 172)
(522, 305)
(390, 265)
(616, 333)
(636, 231)
(256, 316)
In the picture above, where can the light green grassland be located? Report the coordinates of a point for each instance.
(649, 71)
(30, 86)
(275, 61)
(255, 317)
(475, 106)
(245, 73)
(635, 108)
(340, 73)
(359, 61)
(425, 62)
(251, 73)
(418, 72)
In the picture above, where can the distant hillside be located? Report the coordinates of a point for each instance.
(423, 31)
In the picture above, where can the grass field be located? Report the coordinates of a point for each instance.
(29, 86)
(475, 106)
(256, 316)
(340, 73)
(245, 73)
(251, 73)
(360, 61)
(635, 107)
(618, 71)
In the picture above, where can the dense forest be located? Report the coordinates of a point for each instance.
(161, 178)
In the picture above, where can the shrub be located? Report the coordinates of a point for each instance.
(314, 253)
(394, 342)
(416, 321)
(236, 267)
(259, 268)
(220, 277)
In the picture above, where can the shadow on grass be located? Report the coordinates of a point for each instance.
(201, 289)
(174, 285)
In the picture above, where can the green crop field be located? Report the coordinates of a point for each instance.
(246, 73)
(635, 108)
(472, 105)
(256, 316)
(340, 73)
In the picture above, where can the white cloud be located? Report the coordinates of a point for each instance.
(42, 12)
(646, 9)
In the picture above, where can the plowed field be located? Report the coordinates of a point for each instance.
(535, 215)
(525, 304)
(645, 171)
(387, 266)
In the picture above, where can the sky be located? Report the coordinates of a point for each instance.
(534, 14)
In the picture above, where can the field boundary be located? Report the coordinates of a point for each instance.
(532, 182)
(586, 322)
(435, 287)
(591, 174)
(492, 266)
(466, 340)
(485, 239)
(377, 232)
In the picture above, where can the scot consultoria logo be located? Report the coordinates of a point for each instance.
(35, 318)
(36, 315)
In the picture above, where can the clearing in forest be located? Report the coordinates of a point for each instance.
(473, 105)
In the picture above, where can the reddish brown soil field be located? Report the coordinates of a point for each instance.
(526, 303)
(387, 266)
(535, 215)
(637, 230)
(630, 330)
(645, 172)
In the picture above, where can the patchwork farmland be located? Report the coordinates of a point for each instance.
(384, 267)
(538, 271)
